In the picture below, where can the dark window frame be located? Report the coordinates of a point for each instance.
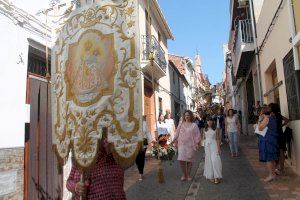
(290, 83)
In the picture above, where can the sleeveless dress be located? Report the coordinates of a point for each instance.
(213, 164)
(268, 145)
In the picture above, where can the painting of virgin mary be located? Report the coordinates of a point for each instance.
(90, 68)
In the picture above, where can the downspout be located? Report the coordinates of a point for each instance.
(293, 34)
(295, 50)
(257, 59)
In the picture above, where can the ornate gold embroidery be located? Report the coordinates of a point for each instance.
(84, 104)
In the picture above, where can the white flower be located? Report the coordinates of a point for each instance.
(165, 152)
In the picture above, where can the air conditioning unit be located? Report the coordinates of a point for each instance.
(243, 3)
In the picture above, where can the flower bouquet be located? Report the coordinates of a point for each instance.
(162, 150)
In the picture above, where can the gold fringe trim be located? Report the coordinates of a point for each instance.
(62, 161)
(125, 163)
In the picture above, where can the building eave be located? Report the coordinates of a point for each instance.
(25, 20)
(163, 21)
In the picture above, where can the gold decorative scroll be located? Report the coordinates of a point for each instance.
(96, 83)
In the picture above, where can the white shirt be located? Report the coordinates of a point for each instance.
(170, 123)
(231, 124)
(162, 128)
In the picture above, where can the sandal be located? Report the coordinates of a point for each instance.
(217, 181)
(141, 178)
(189, 178)
(183, 178)
(269, 178)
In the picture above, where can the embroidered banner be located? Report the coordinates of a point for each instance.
(96, 82)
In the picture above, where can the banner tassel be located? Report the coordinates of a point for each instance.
(160, 174)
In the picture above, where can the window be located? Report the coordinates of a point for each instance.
(160, 105)
(159, 36)
(173, 77)
(276, 92)
(272, 84)
(290, 82)
(148, 23)
(37, 62)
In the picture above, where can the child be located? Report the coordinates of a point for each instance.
(213, 165)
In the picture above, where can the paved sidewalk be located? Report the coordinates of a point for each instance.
(286, 187)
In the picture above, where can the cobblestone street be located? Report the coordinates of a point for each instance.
(243, 179)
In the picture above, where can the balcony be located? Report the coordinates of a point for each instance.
(160, 64)
(243, 47)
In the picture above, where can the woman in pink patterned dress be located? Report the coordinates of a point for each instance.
(188, 138)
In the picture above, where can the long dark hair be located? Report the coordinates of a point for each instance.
(160, 114)
(191, 115)
(213, 126)
(275, 108)
(229, 112)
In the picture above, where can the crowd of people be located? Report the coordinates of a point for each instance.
(193, 131)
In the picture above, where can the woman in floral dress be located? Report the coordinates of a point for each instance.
(188, 139)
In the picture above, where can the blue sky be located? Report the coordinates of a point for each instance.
(202, 25)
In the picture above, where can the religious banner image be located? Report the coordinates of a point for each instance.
(96, 83)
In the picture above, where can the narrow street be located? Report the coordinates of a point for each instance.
(242, 179)
(88, 85)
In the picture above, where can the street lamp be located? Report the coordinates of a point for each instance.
(229, 60)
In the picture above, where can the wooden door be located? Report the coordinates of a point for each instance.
(149, 109)
(42, 180)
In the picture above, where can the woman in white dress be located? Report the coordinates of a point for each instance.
(213, 165)
(171, 125)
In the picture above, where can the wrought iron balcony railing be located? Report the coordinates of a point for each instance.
(150, 43)
(243, 34)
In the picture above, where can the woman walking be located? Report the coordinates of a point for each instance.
(268, 144)
(188, 138)
(281, 121)
(140, 159)
(212, 165)
(171, 124)
(232, 128)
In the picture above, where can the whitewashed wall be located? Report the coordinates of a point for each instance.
(13, 59)
(14, 47)
(164, 90)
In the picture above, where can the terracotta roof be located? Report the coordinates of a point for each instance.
(179, 62)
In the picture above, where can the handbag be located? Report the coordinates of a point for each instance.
(263, 132)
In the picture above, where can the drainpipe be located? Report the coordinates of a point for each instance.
(253, 23)
(293, 34)
(295, 50)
